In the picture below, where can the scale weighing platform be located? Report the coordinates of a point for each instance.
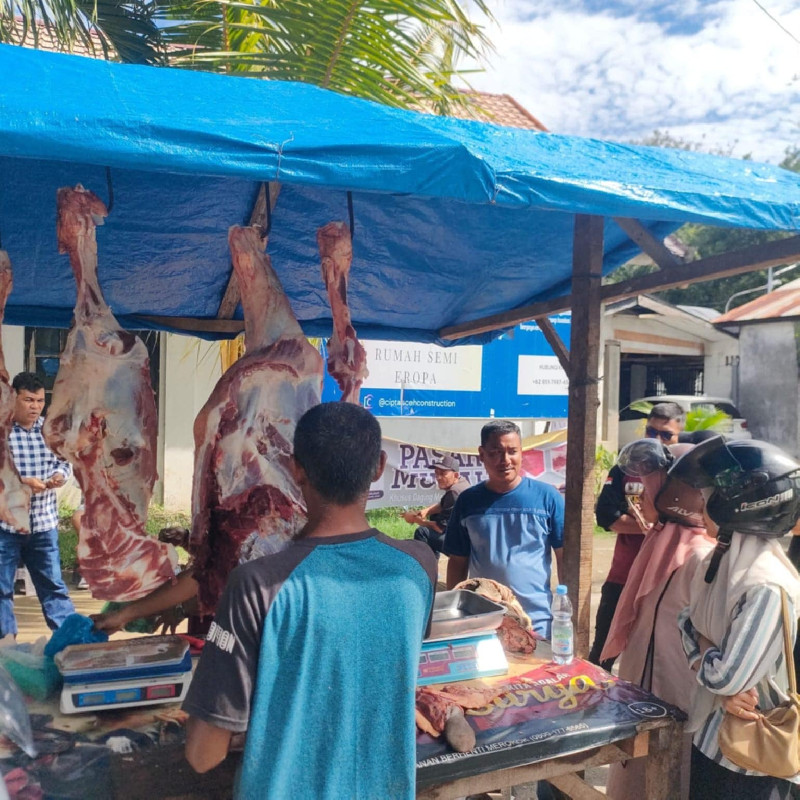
(462, 643)
(124, 673)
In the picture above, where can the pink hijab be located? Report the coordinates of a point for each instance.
(666, 547)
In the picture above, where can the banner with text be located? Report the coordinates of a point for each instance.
(408, 479)
(515, 376)
(549, 711)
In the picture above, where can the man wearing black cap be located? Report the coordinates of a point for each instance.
(432, 520)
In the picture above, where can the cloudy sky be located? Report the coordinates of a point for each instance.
(720, 72)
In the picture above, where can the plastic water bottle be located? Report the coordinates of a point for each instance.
(561, 637)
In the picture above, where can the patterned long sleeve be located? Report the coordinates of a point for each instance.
(753, 644)
(750, 655)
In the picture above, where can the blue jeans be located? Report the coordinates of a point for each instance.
(39, 553)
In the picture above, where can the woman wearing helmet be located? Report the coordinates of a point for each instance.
(643, 632)
(732, 628)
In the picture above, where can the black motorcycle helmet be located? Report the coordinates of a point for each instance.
(643, 457)
(756, 488)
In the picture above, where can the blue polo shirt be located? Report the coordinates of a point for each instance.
(509, 538)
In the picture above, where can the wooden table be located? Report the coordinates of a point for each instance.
(660, 741)
(160, 771)
(560, 759)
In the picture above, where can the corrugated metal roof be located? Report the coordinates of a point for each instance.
(783, 303)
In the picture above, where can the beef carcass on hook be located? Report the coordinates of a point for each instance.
(15, 496)
(347, 359)
(245, 501)
(102, 418)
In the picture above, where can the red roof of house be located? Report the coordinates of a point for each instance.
(783, 303)
(501, 109)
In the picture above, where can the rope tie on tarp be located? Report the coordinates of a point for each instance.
(110, 186)
(268, 204)
(350, 214)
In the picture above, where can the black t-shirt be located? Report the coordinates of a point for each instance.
(448, 501)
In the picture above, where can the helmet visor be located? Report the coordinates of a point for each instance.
(643, 457)
(708, 464)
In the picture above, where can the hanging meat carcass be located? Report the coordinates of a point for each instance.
(245, 501)
(347, 359)
(102, 418)
(15, 496)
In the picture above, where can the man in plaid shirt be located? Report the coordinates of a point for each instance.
(43, 472)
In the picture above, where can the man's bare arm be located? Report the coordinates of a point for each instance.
(457, 570)
(422, 517)
(558, 552)
(206, 745)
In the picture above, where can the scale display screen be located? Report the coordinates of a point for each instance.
(107, 697)
(461, 660)
(123, 694)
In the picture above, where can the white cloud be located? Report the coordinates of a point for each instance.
(721, 71)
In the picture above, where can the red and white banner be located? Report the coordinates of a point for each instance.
(409, 481)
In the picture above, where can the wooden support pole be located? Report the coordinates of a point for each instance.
(587, 264)
(555, 341)
(655, 248)
(258, 216)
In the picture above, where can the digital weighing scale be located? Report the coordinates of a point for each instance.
(461, 659)
(124, 673)
(462, 643)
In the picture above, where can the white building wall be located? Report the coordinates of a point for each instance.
(190, 368)
(449, 433)
(668, 335)
(14, 348)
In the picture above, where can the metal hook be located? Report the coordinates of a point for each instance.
(350, 213)
(110, 190)
(268, 206)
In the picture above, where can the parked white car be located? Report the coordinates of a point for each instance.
(632, 422)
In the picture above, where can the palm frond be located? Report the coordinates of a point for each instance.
(107, 29)
(396, 52)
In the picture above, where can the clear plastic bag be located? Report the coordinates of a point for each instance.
(34, 673)
(15, 722)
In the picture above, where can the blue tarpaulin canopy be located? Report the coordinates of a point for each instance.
(454, 220)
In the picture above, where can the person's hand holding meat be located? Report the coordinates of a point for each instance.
(113, 621)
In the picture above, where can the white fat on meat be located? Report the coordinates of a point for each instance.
(245, 501)
(15, 496)
(102, 418)
(347, 359)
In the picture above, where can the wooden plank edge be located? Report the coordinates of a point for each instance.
(576, 788)
(762, 256)
(233, 327)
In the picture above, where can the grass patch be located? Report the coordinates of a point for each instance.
(389, 521)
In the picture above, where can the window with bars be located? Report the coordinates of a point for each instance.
(648, 376)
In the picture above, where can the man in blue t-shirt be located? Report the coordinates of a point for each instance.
(314, 650)
(506, 527)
